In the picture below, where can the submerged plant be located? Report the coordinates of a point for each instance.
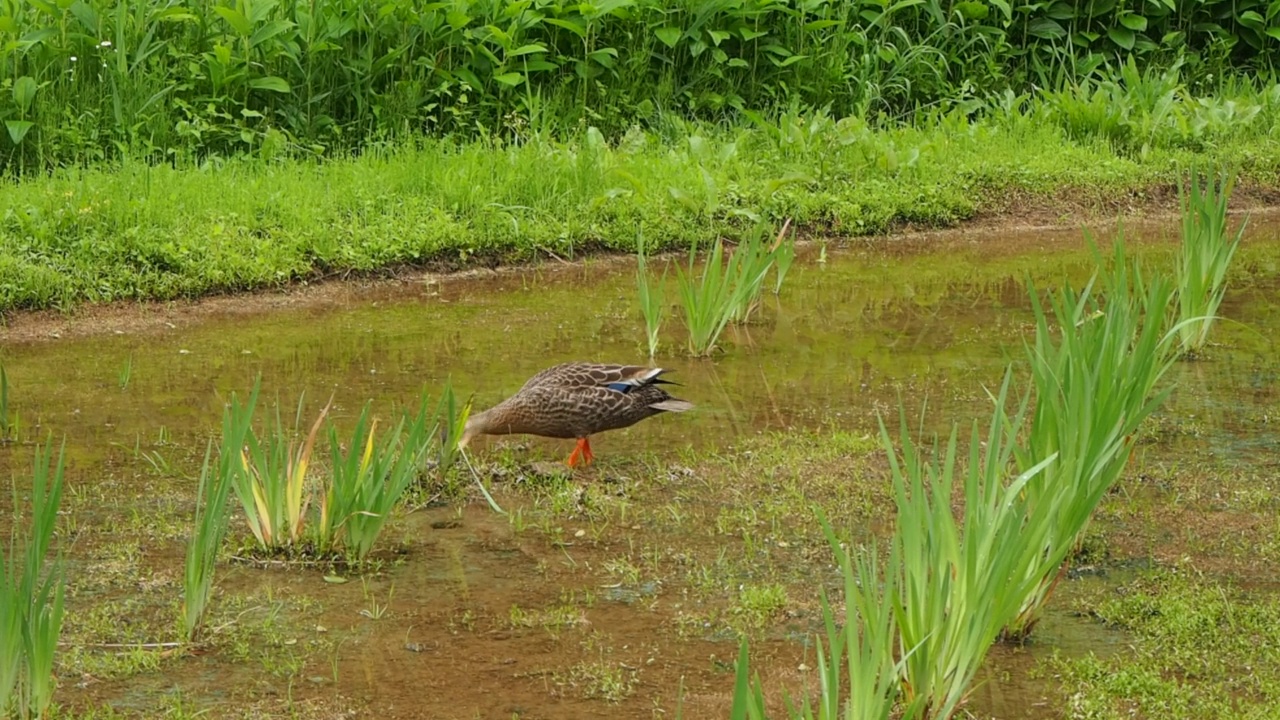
(1094, 386)
(31, 597)
(209, 529)
(1205, 257)
(6, 428)
(368, 479)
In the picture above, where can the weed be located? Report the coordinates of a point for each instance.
(209, 529)
(1093, 390)
(1206, 256)
(31, 596)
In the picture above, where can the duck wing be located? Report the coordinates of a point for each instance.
(580, 375)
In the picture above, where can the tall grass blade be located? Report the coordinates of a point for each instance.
(651, 298)
(31, 596)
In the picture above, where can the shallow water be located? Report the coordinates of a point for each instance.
(851, 332)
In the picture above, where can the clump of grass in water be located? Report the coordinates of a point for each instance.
(956, 585)
(271, 483)
(650, 295)
(368, 480)
(31, 598)
(1093, 388)
(1206, 256)
(210, 527)
(949, 588)
(725, 293)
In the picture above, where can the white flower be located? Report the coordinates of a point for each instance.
(73, 58)
(105, 43)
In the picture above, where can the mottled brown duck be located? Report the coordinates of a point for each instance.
(578, 400)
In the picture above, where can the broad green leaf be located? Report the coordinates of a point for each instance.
(669, 35)
(511, 79)
(1274, 32)
(18, 129)
(1121, 36)
(972, 10)
(24, 91)
(1253, 20)
(574, 27)
(235, 19)
(527, 49)
(1046, 28)
(269, 30)
(1134, 22)
(271, 83)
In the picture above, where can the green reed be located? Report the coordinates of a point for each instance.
(31, 596)
(857, 657)
(5, 427)
(271, 482)
(209, 528)
(1205, 258)
(725, 292)
(650, 295)
(955, 585)
(1093, 386)
(368, 478)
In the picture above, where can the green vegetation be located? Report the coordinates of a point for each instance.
(156, 232)
(6, 427)
(1201, 648)
(1206, 255)
(108, 79)
(650, 295)
(368, 480)
(271, 481)
(209, 527)
(31, 596)
(1094, 387)
(865, 638)
(725, 292)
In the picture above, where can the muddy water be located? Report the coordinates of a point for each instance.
(853, 330)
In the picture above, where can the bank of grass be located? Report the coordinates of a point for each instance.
(144, 232)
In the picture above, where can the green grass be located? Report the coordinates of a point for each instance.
(368, 478)
(208, 530)
(1198, 648)
(102, 79)
(1207, 250)
(649, 293)
(31, 596)
(155, 232)
(1094, 386)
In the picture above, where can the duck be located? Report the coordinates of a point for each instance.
(577, 400)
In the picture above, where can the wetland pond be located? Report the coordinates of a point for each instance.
(619, 591)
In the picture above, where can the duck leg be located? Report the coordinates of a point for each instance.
(581, 453)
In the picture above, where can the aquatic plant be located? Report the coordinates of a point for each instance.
(209, 526)
(956, 585)
(650, 295)
(31, 596)
(725, 292)
(858, 654)
(368, 478)
(454, 418)
(5, 427)
(1093, 387)
(784, 255)
(1205, 257)
(271, 483)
